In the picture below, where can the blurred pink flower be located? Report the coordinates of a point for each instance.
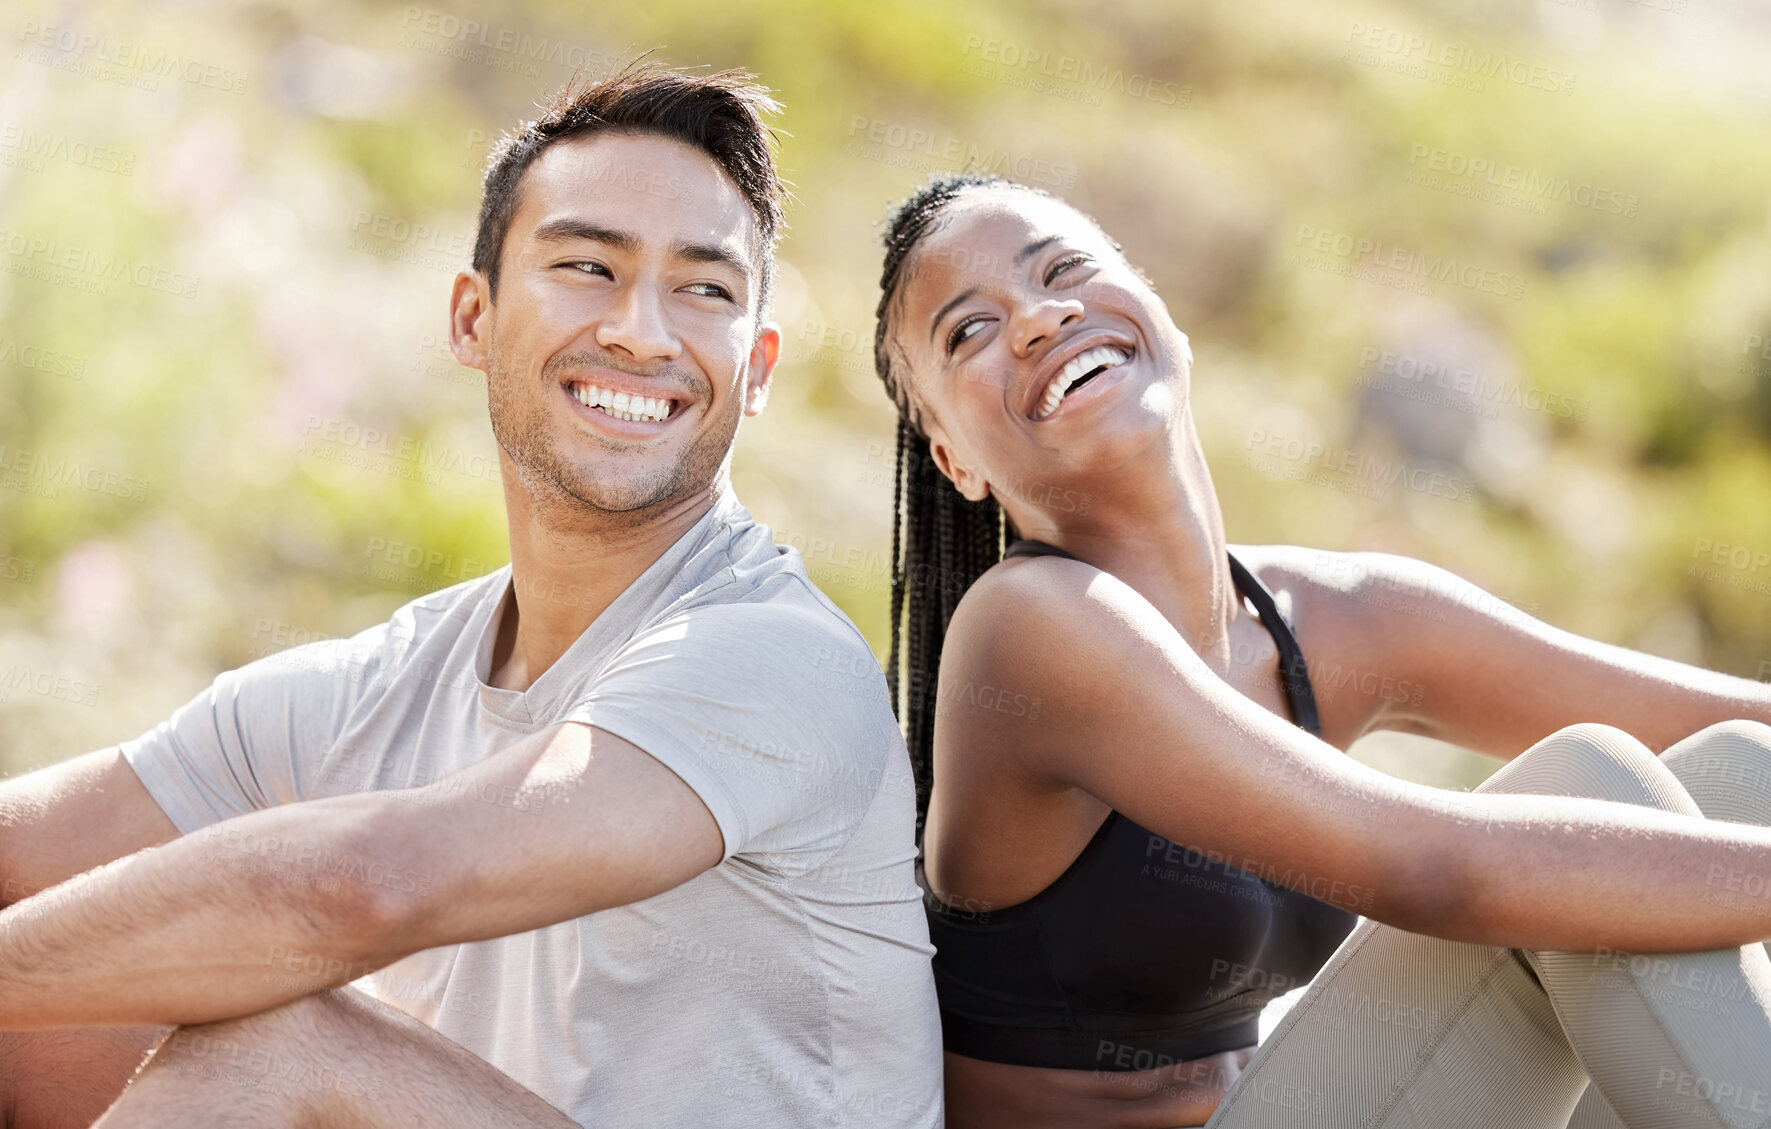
(92, 583)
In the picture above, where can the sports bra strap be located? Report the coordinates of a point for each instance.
(1294, 670)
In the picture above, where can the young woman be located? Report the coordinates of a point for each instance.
(1142, 828)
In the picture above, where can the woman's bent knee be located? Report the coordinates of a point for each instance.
(1727, 769)
(1588, 738)
(1594, 761)
(1737, 737)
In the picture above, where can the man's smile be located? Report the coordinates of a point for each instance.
(622, 404)
(629, 414)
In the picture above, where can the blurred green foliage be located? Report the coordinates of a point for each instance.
(289, 187)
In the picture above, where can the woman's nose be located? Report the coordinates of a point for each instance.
(1041, 321)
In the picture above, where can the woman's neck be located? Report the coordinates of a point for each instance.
(1155, 524)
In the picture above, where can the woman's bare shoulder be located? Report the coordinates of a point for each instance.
(1348, 590)
(1331, 570)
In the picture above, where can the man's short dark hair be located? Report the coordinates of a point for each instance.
(720, 114)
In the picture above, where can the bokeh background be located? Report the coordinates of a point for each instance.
(1487, 283)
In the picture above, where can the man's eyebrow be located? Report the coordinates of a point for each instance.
(942, 312)
(709, 253)
(1034, 248)
(565, 230)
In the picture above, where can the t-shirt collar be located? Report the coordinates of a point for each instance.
(614, 626)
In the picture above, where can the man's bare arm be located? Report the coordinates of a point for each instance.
(568, 822)
(67, 818)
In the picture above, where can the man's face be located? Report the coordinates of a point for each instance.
(624, 344)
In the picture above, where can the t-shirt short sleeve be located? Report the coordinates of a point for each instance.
(253, 738)
(775, 713)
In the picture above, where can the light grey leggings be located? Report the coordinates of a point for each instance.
(1403, 1031)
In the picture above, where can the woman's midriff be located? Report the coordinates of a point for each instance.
(995, 1095)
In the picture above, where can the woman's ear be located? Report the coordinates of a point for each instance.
(969, 482)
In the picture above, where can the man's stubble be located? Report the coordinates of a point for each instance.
(566, 491)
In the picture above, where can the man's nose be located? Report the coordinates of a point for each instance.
(637, 324)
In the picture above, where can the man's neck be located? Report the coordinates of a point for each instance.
(567, 567)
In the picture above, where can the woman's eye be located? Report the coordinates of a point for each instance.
(1063, 265)
(962, 331)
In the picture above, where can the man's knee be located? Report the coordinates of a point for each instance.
(330, 1058)
(62, 1078)
(277, 1066)
(311, 1028)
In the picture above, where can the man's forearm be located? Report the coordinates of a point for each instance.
(224, 922)
(266, 908)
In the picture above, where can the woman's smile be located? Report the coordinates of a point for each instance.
(1093, 362)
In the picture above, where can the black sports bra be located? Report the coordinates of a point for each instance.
(1142, 953)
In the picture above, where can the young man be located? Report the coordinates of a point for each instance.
(630, 820)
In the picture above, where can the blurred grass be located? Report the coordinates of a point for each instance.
(217, 404)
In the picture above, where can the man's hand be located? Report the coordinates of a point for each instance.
(258, 910)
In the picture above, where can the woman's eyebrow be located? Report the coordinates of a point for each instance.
(943, 311)
(1022, 256)
(1034, 248)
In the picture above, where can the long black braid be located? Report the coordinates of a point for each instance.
(941, 542)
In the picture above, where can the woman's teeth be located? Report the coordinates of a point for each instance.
(621, 405)
(1100, 357)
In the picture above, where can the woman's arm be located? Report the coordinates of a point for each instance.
(1129, 714)
(1467, 650)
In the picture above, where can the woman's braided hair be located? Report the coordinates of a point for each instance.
(941, 542)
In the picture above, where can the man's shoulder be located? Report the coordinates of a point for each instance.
(354, 663)
(448, 608)
(759, 617)
(765, 588)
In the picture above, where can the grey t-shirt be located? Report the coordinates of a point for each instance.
(787, 986)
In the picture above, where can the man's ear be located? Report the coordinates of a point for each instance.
(760, 369)
(470, 324)
(968, 481)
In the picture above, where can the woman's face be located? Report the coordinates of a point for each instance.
(1036, 354)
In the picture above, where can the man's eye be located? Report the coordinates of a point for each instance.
(1063, 265)
(962, 331)
(588, 267)
(710, 290)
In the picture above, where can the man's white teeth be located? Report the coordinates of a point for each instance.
(621, 405)
(1101, 356)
